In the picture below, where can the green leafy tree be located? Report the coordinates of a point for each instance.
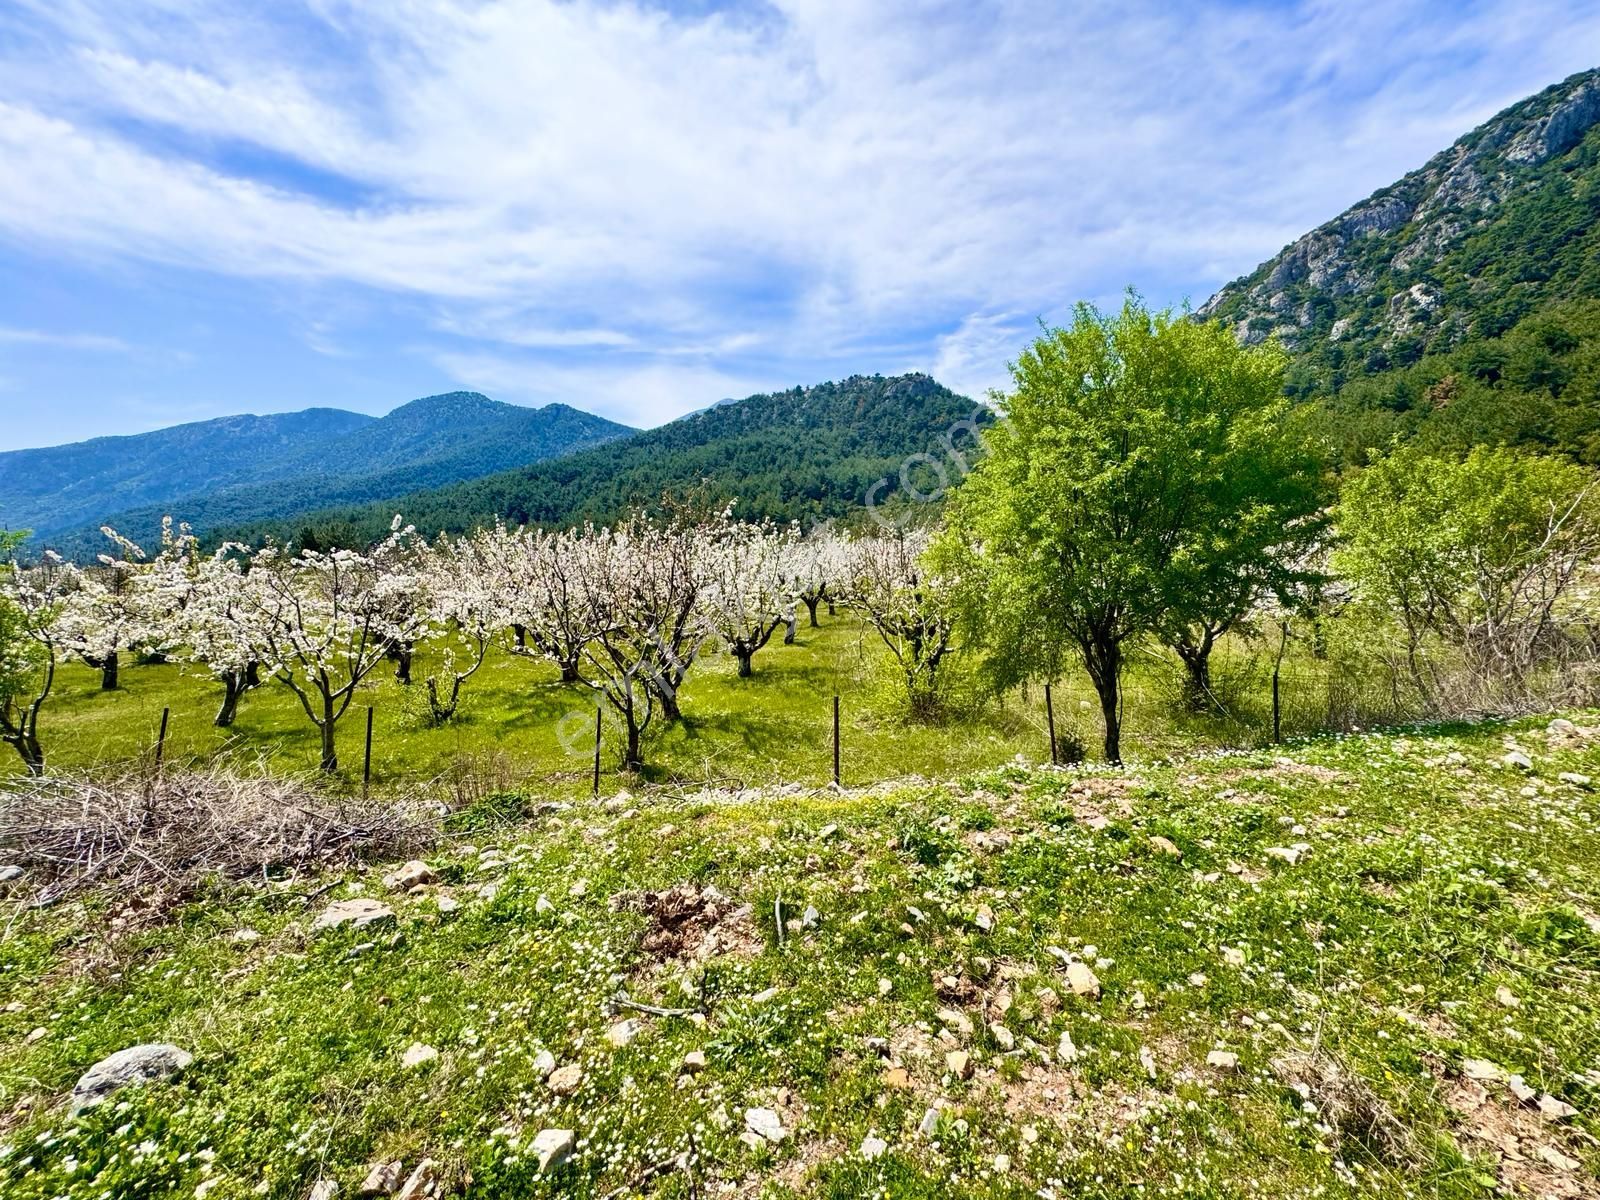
(1485, 556)
(1140, 458)
(1254, 527)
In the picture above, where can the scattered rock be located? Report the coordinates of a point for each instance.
(959, 1064)
(382, 1179)
(1066, 1049)
(422, 1183)
(1520, 1089)
(954, 1018)
(898, 1078)
(356, 914)
(623, 1032)
(323, 1189)
(811, 918)
(1481, 1070)
(1289, 854)
(446, 905)
(1518, 760)
(1003, 1037)
(1233, 956)
(544, 1064)
(416, 1054)
(984, 919)
(1558, 1160)
(929, 1125)
(1147, 1061)
(563, 1081)
(1506, 998)
(1552, 1109)
(1166, 846)
(873, 1147)
(135, 1065)
(579, 889)
(243, 937)
(9, 872)
(1082, 980)
(765, 1124)
(1223, 1060)
(415, 873)
(552, 1147)
(1575, 779)
(826, 832)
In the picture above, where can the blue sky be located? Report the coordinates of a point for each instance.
(213, 206)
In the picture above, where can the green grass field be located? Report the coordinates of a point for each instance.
(1358, 1022)
(520, 728)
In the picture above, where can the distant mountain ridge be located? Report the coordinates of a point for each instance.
(1503, 223)
(59, 487)
(808, 453)
(234, 470)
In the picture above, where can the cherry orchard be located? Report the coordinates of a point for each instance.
(624, 611)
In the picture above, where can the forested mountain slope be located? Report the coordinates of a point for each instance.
(63, 486)
(1454, 305)
(433, 441)
(806, 453)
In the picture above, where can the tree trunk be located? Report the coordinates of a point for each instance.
(252, 675)
(669, 705)
(233, 686)
(401, 656)
(791, 629)
(1103, 660)
(28, 747)
(569, 670)
(330, 753)
(520, 632)
(811, 606)
(1110, 704)
(442, 711)
(744, 657)
(109, 669)
(633, 759)
(1197, 695)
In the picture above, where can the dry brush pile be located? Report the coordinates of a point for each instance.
(166, 836)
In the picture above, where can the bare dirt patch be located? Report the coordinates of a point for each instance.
(1532, 1157)
(689, 924)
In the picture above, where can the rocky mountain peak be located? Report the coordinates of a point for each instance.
(1395, 274)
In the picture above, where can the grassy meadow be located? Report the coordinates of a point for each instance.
(520, 728)
(1364, 966)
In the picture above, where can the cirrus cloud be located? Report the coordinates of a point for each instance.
(629, 204)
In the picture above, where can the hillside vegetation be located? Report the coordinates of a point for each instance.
(1363, 966)
(1457, 304)
(805, 454)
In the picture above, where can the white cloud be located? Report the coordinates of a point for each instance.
(973, 358)
(634, 393)
(671, 207)
(95, 342)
